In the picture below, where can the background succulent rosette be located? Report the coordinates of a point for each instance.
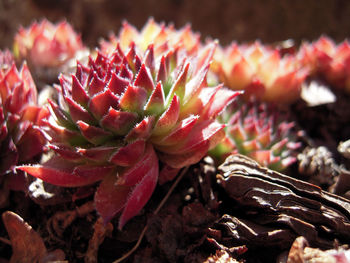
(49, 48)
(260, 131)
(21, 139)
(327, 60)
(261, 72)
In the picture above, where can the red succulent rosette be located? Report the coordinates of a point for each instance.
(21, 139)
(45, 44)
(120, 115)
(261, 72)
(258, 131)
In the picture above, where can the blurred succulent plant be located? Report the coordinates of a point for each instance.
(48, 48)
(21, 140)
(328, 60)
(47, 45)
(260, 71)
(6, 60)
(255, 129)
(161, 36)
(121, 114)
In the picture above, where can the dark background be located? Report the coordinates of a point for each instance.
(227, 20)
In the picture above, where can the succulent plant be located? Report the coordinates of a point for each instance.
(45, 44)
(161, 36)
(256, 130)
(120, 115)
(260, 71)
(21, 139)
(328, 60)
(6, 60)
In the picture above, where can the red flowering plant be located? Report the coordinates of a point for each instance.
(21, 139)
(123, 113)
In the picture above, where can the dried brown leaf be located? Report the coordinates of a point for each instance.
(27, 245)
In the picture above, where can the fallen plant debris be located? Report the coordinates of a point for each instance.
(27, 245)
(278, 208)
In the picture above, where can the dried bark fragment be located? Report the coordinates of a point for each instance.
(27, 245)
(237, 231)
(269, 198)
(342, 186)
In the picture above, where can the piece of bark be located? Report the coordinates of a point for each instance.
(269, 198)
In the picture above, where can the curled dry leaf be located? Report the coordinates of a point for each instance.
(27, 245)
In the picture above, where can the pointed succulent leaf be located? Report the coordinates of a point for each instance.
(100, 104)
(58, 171)
(208, 131)
(168, 119)
(156, 102)
(96, 85)
(180, 160)
(133, 99)
(95, 172)
(93, 134)
(119, 122)
(279, 147)
(150, 60)
(140, 195)
(30, 144)
(59, 134)
(179, 87)
(98, 154)
(16, 99)
(111, 198)
(67, 152)
(61, 116)
(218, 101)
(117, 84)
(195, 84)
(34, 114)
(78, 92)
(162, 74)
(78, 113)
(134, 174)
(144, 79)
(129, 154)
(178, 134)
(142, 130)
